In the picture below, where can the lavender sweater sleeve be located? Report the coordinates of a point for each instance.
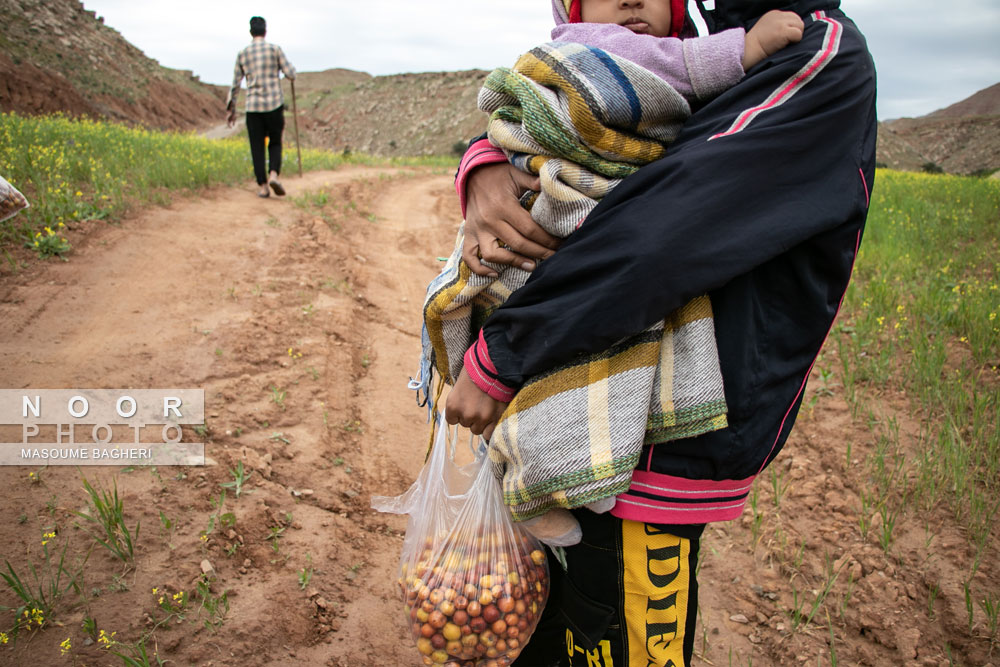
(698, 67)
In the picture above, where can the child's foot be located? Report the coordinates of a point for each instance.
(263, 191)
(277, 187)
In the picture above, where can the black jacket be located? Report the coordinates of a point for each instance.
(761, 202)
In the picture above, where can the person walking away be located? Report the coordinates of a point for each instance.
(262, 64)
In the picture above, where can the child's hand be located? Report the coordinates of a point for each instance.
(471, 407)
(774, 31)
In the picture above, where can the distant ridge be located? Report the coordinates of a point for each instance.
(963, 138)
(56, 56)
(984, 103)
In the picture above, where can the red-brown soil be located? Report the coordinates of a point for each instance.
(212, 291)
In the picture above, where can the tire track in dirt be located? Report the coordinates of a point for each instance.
(393, 260)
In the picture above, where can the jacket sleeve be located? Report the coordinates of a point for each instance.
(480, 152)
(699, 68)
(785, 155)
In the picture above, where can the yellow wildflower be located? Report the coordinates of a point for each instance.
(155, 591)
(35, 615)
(4, 638)
(65, 646)
(203, 538)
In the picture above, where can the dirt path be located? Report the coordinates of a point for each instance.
(300, 319)
(222, 130)
(212, 293)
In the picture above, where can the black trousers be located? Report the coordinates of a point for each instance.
(629, 598)
(265, 128)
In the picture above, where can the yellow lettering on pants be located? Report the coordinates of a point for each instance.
(657, 580)
(599, 657)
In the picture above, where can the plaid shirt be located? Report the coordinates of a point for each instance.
(261, 64)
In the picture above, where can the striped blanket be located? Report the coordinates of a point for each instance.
(582, 119)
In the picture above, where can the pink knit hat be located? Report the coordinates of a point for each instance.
(568, 11)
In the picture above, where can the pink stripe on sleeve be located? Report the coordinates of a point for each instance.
(480, 153)
(829, 49)
(482, 372)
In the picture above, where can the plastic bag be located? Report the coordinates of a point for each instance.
(11, 201)
(473, 582)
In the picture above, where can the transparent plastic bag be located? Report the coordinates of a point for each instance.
(473, 582)
(11, 201)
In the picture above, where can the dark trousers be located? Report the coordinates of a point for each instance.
(628, 597)
(266, 125)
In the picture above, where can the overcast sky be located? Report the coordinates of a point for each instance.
(927, 55)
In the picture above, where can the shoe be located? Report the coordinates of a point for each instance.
(278, 189)
(263, 195)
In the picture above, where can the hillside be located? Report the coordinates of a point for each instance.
(958, 145)
(404, 114)
(962, 138)
(984, 103)
(431, 113)
(55, 56)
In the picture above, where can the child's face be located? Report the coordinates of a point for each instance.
(645, 17)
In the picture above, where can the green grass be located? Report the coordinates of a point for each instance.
(78, 169)
(38, 588)
(106, 514)
(922, 314)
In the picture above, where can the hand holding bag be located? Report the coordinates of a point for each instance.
(473, 582)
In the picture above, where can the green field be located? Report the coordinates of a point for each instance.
(77, 169)
(922, 315)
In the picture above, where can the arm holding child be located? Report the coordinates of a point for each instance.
(496, 224)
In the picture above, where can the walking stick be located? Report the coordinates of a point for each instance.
(295, 122)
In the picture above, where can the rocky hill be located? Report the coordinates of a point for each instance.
(429, 113)
(963, 138)
(434, 113)
(55, 56)
(984, 103)
(959, 145)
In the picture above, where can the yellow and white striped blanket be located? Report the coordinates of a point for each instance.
(582, 119)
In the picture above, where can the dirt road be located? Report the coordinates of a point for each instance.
(239, 295)
(300, 320)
